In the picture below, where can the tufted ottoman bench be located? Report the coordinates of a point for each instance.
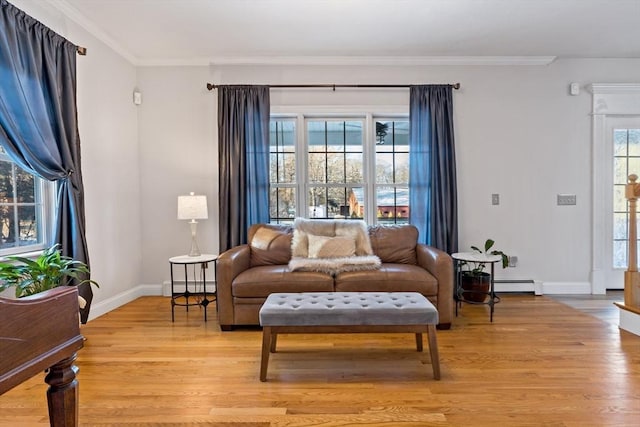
(346, 312)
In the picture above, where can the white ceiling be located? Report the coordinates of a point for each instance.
(149, 32)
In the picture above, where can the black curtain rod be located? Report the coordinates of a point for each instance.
(332, 86)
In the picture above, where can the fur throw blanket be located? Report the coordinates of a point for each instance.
(331, 246)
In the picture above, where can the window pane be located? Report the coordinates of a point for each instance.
(28, 225)
(335, 168)
(392, 205)
(316, 169)
(25, 186)
(316, 136)
(282, 204)
(6, 182)
(22, 210)
(7, 226)
(353, 165)
(384, 168)
(336, 202)
(282, 149)
(317, 202)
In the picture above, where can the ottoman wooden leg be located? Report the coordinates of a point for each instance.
(266, 344)
(433, 350)
(419, 341)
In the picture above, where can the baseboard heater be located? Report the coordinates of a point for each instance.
(518, 285)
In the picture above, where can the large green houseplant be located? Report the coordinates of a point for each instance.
(49, 270)
(475, 281)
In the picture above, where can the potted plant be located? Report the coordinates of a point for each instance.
(49, 270)
(474, 279)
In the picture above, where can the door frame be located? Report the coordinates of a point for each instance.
(610, 100)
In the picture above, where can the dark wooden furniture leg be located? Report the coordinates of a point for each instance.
(266, 349)
(62, 394)
(433, 350)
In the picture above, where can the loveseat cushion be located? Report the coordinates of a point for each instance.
(264, 280)
(389, 278)
(270, 244)
(394, 244)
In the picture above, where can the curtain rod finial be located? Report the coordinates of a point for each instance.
(81, 50)
(456, 86)
(211, 86)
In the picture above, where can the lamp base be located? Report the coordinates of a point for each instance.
(195, 251)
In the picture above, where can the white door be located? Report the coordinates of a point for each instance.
(623, 148)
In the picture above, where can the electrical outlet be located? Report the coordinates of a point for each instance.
(566, 199)
(513, 261)
(495, 199)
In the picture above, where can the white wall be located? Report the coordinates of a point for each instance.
(518, 133)
(108, 127)
(178, 154)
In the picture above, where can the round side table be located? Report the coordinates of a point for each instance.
(461, 258)
(199, 286)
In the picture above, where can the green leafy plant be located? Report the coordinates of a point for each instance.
(49, 270)
(477, 268)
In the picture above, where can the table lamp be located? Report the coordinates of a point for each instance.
(193, 207)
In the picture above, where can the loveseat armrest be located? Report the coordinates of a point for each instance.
(440, 265)
(230, 263)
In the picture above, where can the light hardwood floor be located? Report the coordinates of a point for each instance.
(540, 363)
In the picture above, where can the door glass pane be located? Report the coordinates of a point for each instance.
(626, 147)
(634, 142)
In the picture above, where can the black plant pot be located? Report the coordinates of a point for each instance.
(475, 286)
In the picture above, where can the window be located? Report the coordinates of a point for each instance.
(282, 170)
(25, 212)
(331, 167)
(626, 160)
(392, 171)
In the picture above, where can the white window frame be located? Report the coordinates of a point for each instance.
(46, 200)
(369, 114)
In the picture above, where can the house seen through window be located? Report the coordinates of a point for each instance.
(25, 208)
(356, 167)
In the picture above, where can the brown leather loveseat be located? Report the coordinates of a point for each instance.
(248, 274)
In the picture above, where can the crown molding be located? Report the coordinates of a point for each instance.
(383, 60)
(76, 16)
(174, 62)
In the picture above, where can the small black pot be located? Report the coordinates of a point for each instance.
(475, 286)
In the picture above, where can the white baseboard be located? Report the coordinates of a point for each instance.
(506, 286)
(573, 288)
(123, 298)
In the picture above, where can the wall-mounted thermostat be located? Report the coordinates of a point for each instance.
(137, 97)
(574, 89)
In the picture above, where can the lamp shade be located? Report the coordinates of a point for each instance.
(192, 207)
